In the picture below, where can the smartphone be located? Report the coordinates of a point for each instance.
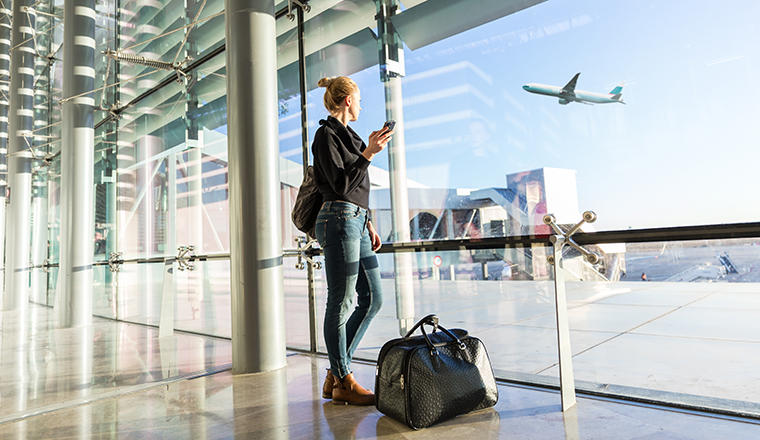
(389, 125)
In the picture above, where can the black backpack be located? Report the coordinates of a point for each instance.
(308, 203)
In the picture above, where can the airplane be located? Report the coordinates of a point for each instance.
(568, 93)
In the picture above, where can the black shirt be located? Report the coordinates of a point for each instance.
(339, 167)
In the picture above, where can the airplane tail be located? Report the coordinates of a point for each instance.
(617, 91)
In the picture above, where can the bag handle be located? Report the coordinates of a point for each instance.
(431, 320)
(433, 349)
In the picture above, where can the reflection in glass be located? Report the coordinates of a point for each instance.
(139, 289)
(671, 333)
(202, 301)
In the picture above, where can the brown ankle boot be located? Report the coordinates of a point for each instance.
(327, 388)
(347, 391)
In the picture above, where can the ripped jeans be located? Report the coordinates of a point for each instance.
(351, 267)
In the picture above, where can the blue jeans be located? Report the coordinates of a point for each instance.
(351, 266)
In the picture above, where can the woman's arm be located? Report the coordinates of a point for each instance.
(377, 142)
(374, 237)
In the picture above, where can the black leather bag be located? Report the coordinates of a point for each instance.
(427, 379)
(308, 203)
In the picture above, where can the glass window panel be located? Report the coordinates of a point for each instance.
(106, 70)
(54, 211)
(144, 31)
(202, 191)
(470, 126)
(202, 299)
(290, 142)
(41, 143)
(105, 239)
(149, 139)
(165, 33)
(296, 290)
(492, 293)
(103, 291)
(139, 290)
(52, 287)
(646, 158)
(105, 180)
(680, 318)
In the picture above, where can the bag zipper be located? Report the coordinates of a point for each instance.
(386, 348)
(407, 394)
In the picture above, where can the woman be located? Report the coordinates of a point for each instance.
(346, 235)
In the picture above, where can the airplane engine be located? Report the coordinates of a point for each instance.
(564, 101)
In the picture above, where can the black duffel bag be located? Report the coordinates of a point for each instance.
(427, 379)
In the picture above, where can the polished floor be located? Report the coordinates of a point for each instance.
(286, 404)
(120, 381)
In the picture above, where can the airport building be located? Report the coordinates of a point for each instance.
(605, 251)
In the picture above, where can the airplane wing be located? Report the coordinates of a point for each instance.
(570, 87)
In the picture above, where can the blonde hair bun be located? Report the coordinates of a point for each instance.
(337, 88)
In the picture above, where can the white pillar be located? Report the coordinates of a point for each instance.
(5, 74)
(20, 120)
(258, 304)
(74, 300)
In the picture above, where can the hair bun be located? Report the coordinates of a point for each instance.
(325, 82)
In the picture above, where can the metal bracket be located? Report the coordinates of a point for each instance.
(305, 244)
(565, 237)
(303, 5)
(45, 268)
(112, 115)
(115, 261)
(566, 376)
(185, 257)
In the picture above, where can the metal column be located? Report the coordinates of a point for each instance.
(5, 76)
(41, 140)
(258, 306)
(20, 120)
(310, 270)
(77, 156)
(391, 71)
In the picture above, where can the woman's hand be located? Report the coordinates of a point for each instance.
(377, 142)
(374, 237)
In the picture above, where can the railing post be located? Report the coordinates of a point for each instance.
(559, 240)
(566, 379)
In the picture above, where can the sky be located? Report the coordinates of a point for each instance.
(682, 151)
